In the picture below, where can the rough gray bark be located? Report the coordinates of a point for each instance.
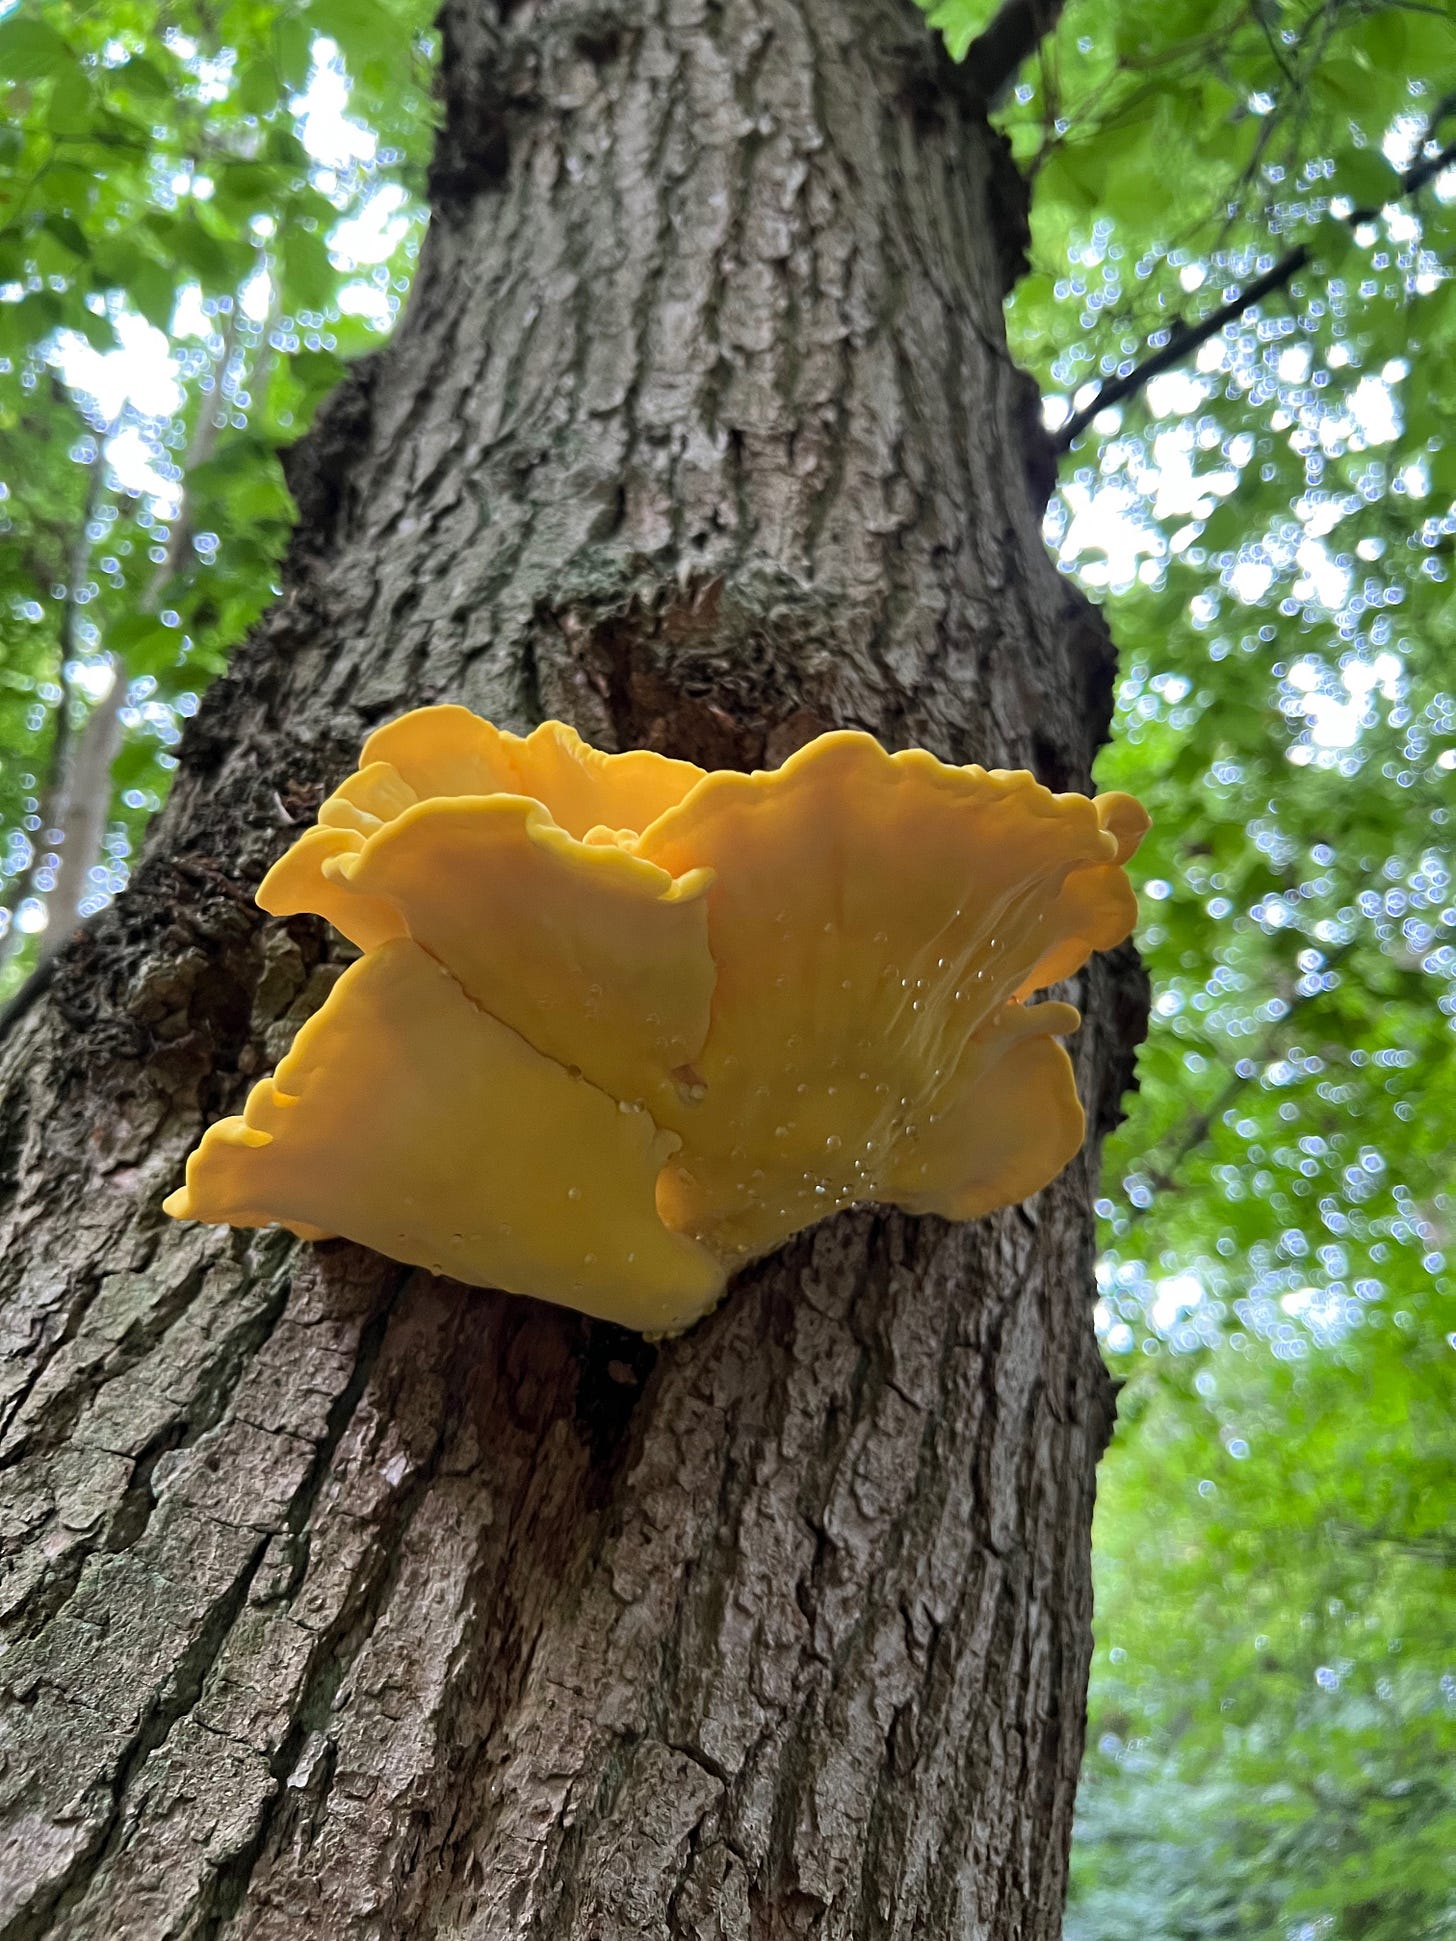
(344, 1602)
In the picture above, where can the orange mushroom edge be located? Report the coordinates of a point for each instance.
(620, 1026)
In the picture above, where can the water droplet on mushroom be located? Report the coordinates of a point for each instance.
(588, 1260)
(573, 1192)
(833, 1142)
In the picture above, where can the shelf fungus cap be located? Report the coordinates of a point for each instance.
(878, 922)
(409, 1119)
(620, 1026)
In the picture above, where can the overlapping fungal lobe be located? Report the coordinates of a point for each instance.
(876, 921)
(620, 1026)
(409, 1119)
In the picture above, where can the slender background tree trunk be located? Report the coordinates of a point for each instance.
(340, 1601)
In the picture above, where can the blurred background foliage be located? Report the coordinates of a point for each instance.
(205, 208)
(1260, 492)
(1241, 306)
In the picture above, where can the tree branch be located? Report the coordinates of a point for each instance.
(1014, 33)
(1185, 341)
(79, 819)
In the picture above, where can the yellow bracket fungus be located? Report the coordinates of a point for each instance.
(621, 1026)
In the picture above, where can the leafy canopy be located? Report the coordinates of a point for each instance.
(203, 211)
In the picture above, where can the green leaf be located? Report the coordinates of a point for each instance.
(26, 324)
(152, 290)
(309, 279)
(31, 49)
(1072, 177)
(1346, 78)
(316, 373)
(69, 107)
(256, 90)
(363, 30)
(68, 234)
(1368, 179)
(145, 79)
(1330, 242)
(293, 38)
(141, 643)
(1226, 525)
(219, 265)
(1441, 469)
(1384, 38)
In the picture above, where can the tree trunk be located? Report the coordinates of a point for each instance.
(342, 1601)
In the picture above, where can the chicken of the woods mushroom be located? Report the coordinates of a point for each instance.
(621, 1025)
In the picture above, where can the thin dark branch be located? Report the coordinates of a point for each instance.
(1015, 31)
(1271, 40)
(1415, 178)
(1184, 342)
(1181, 345)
